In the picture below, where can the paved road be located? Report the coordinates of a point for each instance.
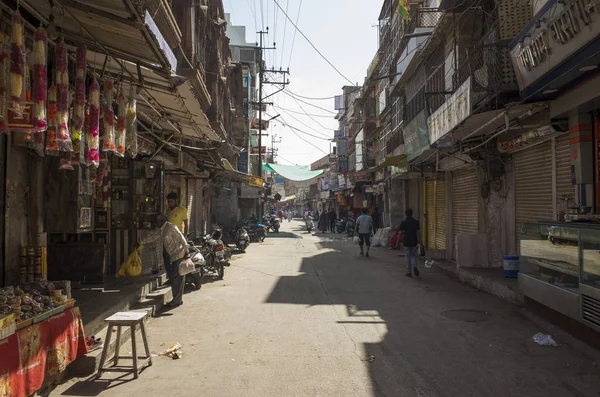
(309, 317)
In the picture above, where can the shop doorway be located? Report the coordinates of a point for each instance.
(3, 153)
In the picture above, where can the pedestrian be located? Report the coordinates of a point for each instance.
(376, 215)
(280, 216)
(332, 217)
(411, 235)
(364, 228)
(177, 214)
(289, 216)
(174, 252)
(323, 222)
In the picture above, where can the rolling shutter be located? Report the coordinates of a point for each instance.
(436, 214)
(564, 183)
(465, 202)
(533, 183)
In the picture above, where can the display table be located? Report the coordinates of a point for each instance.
(40, 351)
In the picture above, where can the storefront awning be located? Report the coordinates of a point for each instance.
(250, 180)
(399, 161)
(292, 172)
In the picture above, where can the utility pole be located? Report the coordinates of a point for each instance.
(261, 81)
(273, 150)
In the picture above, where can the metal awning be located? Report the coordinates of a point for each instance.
(111, 25)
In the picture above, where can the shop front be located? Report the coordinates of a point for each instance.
(557, 191)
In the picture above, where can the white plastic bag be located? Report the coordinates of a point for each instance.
(356, 240)
(544, 339)
(186, 266)
(376, 241)
(385, 236)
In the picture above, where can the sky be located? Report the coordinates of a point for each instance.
(344, 31)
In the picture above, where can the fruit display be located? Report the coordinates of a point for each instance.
(33, 300)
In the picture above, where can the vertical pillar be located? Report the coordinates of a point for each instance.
(582, 156)
(597, 160)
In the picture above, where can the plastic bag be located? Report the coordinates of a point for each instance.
(132, 267)
(544, 339)
(186, 266)
(356, 240)
(376, 242)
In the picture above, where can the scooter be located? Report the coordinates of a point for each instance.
(340, 225)
(350, 227)
(256, 231)
(310, 225)
(242, 240)
(198, 260)
(213, 251)
(275, 224)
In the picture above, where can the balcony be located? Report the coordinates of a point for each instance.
(422, 17)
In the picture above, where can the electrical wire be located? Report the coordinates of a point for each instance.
(262, 14)
(287, 5)
(295, 31)
(311, 43)
(309, 116)
(308, 103)
(302, 113)
(306, 125)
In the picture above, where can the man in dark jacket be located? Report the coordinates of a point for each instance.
(376, 216)
(411, 232)
(332, 217)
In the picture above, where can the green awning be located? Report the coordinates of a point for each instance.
(292, 172)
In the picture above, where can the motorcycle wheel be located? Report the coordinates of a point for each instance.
(197, 280)
(220, 271)
(243, 248)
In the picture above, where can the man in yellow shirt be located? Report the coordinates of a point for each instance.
(177, 214)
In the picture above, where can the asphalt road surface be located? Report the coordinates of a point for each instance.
(303, 315)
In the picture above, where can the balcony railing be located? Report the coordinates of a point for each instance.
(422, 17)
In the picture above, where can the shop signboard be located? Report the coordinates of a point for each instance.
(187, 163)
(341, 180)
(343, 164)
(254, 149)
(559, 31)
(360, 176)
(242, 165)
(416, 138)
(525, 139)
(279, 180)
(453, 112)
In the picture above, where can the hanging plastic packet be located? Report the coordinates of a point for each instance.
(63, 137)
(79, 101)
(17, 65)
(131, 127)
(121, 125)
(4, 69)
(108, 117)
(40, 89)
(93, 132)
(51, 144)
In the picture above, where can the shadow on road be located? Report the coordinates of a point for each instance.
(408, 345)
(94, 386)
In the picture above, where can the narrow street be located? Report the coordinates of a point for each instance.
(307, 316)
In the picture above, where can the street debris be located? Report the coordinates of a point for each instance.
(175, 352)
(429, 263)
(370, 358)
(544, 339)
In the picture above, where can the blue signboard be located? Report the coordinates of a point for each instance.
(279, 181)
(242, 164)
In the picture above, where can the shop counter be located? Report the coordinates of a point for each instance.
(40, 351)
(560, 267)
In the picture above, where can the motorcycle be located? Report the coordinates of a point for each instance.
(256, 231)
(213, 251)
(310, 225)
(242, 239)
(274, 224)
(198, 260)
(340, 225)
(350, 227)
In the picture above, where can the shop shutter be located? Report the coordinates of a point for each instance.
(564, 183)
(436, 214)
(533, 183)
(465, 202)
(440, 214)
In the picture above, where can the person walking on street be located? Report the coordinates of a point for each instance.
(332, 217)
(364, 228)
(411, 234)
(323, 222)
(376, 215)
(174, 251)
(177, 214)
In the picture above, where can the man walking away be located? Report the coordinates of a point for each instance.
(376, 215)
(364, 227)
(174, 251)
(411, 232)
(332, 217)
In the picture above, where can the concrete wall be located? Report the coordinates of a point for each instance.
(398, 202)
(224, 205)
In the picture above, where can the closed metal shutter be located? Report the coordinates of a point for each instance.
(533, 184)
(465, 202)
(564, 183)
(436, 214)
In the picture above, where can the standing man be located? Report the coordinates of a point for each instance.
(376, 215)
(177, 214)
(364, 227)
(174, 251)
(332, 218)
(411, 232)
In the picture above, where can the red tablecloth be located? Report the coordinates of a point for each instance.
(39, 351)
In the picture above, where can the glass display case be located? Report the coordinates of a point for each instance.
(560, 267)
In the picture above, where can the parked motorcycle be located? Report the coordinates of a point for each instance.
(340, 225)
(242, 239)
(213, 251)
(350, 227)
(198, 260)
(310, 224)
(256, 231)
(274, 224)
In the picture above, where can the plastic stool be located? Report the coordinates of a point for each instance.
(125, 319)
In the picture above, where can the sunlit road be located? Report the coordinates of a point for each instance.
(310, 317)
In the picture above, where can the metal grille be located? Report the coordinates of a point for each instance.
(514, 15)
(590, 309)
(436, 88)
(533, 183)
(465, 202)
(415, 106)
(564, 180)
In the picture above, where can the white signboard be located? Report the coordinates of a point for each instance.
(453, 112)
